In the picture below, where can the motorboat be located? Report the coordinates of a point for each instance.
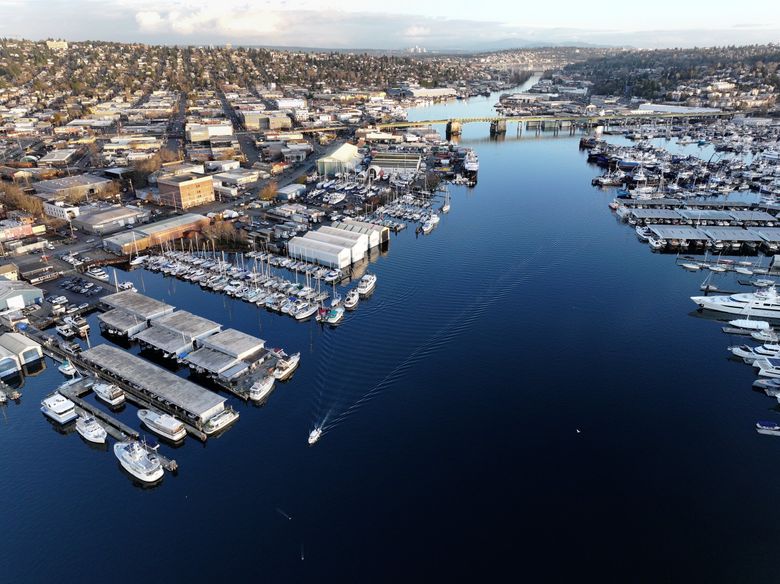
(91, 430)
(334, 315)
(656, 243)
(261, 388)
(286, 364)
(427, 227)
(754, 325)
(764, 303)
(98, 274)
(138, 461)
(691, 266)
(750, 354)
(65, 331)
(315, 435)
(304, 311)
(762, 282)
(109, 393)
(163, 424)
(77, 323)
(768, 428)
(67, 368)
(765, 336)
(220, 421)
(59, 408)
(770, 386)
(366, 285)
(643, 233)
(769, 367)
(352, 299)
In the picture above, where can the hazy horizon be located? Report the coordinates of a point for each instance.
(351, 25)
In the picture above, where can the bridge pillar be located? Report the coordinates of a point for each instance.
(497, 127)
(454, 128)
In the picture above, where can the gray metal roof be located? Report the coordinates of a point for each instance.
(137, 304)
(705, 215)
(731, 234)
(185, 323)
(234, 343)
(768, 234)
(123, 321)
(157, 381)
(678, 232)
(656, 214)
(165, 340)
(752, 216)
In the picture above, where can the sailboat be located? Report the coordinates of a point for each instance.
(445, 208)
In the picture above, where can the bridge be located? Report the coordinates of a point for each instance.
(498, 123)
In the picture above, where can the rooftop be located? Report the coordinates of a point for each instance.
(137, 304)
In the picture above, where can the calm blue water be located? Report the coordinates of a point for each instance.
(453, 397)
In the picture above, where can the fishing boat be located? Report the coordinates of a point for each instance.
(67, 368)
(138, 461)
(59, 408)
(286, 364)
(352, 299)
(366, 285)
(109, 393)
(768, 428)
(261, 388)
(315, 435)
(91, 430)
(163, 425)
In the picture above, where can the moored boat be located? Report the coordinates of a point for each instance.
(91, 430)
(138, 461)
(163, 425)
(59, 408)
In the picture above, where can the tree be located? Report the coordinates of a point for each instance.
(268, 192)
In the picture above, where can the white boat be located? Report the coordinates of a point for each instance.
(750, 354)
(753, 325)
(65, 331)
(59, 408)
(305, 311)
(286, 364)
(427, 227)
(220, 421)
(315, 435)
(769, 367)
(445, 208)
(138, 461)
(91, 430)
(763, 303)
(352, 299)
(768, 428)
(643, 233)
(656, 243)
(163, 425)
(471, 162)
(109, 393)
(768, 336)
(334, 315)
(67, 368)
(743, 271)
(138, 260)
(261, 388)
(98, 274)
(690, 266)
(366, 285)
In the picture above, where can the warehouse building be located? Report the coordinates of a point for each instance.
(185, 190)
(15, 295)
(9, 363)
(344, 159)
(61, 157)
(75, 187)
(377, 234)
(326, 254)
(155, 233)
(357, 250)
(106, 221)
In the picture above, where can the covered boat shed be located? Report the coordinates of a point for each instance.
(769, 235)
(651, 216)
(9, 362)
(753, 217)
(172, 392)
(138, 305)
(25, 349)
(679, 232)
(705, 216)
(732, 234)
(186, 325)
(227, 355)
(326, 254)
(356, 251)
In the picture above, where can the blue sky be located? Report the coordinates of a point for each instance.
(393, 25)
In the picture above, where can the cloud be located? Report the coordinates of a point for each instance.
(417, 31)
(149, 21)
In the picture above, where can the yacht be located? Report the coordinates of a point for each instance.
(750, 354)
(67, 368)
(98, 274)
(315, 435)
(427, 227)
(769, 367)
(59, 408)
(768, 428)
(163, 425)
(471, 162)
(220, 421)
(109, 393)
(753, 325)
(91, 430)
(304, 311)
(286, 364)
(366, 285)
(763, 303)
(138, 461)
(768, 336)
(77, 323)
(352, 299)
(261, 388)
(65, 331)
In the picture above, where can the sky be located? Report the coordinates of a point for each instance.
(433, 24)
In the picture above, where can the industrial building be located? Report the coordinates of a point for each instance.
(61, 157)
(155, 234)
(326, 254)
(387, 163)
(106, 221)
(377, 234)
(185, 190)
(344, 159)
(357, 249)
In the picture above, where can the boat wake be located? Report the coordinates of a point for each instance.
(454, 325)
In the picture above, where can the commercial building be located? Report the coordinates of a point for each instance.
(357, 249)
(60, 210)
(15, 295)
(61, 157)
(185, 191)
(106, 221)
(9, 271)
(395, 163)
(344, 159)
(377, 234)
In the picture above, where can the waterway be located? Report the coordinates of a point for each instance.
(526, 396)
